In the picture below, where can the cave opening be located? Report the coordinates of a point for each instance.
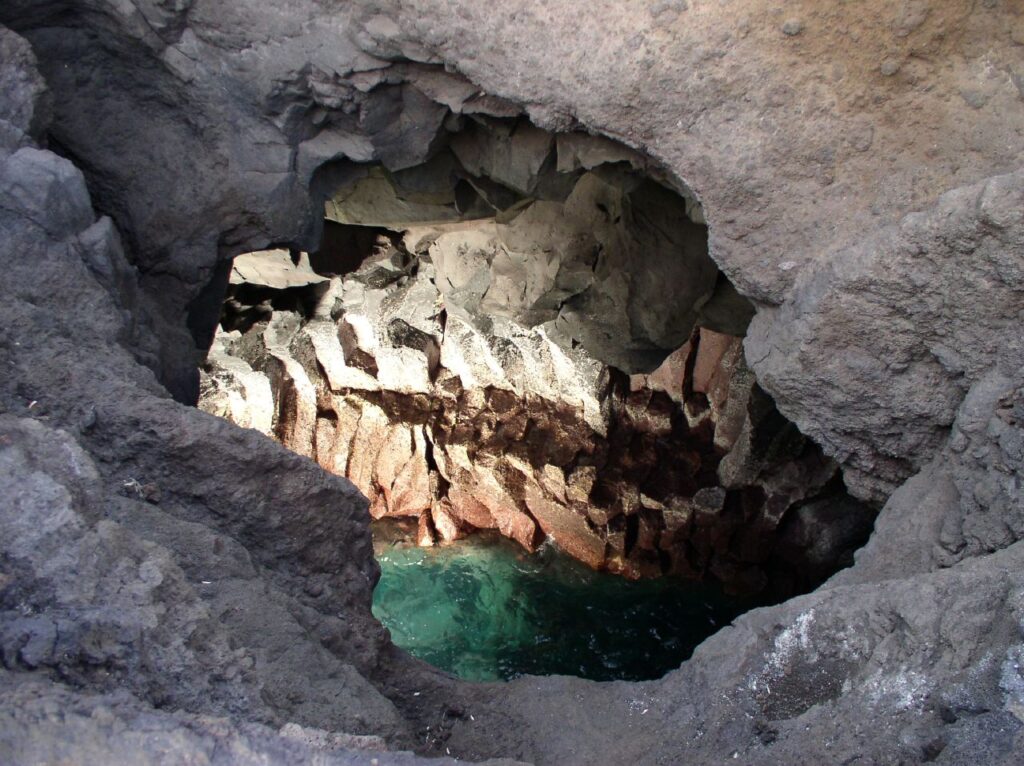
(520, 350)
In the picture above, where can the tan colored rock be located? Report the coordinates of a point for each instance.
(334, 457)
(670, 377)
(445, 521)
(510, 520)
(405, 370)
(676, 516)
(394, 454)
(325, 438)
(366, 444)
(296, 402)
(410, 493)
(552, 479)
(711, 348)
(232, 389)
(323, 335)
(466, 509)
(424, 531)
(581, 483)
(375, 201)
(582, 150)
(273, 268)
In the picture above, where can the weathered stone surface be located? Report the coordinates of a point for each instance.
(33, 180)
(469, 420)
(274, 269)
(375, 201)
(852, 165)
(710, 352)
(129, 564)
(566, 528)
(670, 377)
(942, 323)
(805, 134)
(512, 155)
(50, 723)
(231, 389)
(25, 105)
(759, 688)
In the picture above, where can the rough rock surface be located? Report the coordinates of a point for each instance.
(960, 320)
(408, 378)
(44, 723)
(793, 162)
(812, 134)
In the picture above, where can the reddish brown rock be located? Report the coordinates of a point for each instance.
(509, 518)
(410, 492)
(446, 522)
(394, 454)
(634, 480)
(295, 397)
(711, 347)
(566, 527)
(469, 511)
(670, 377)
(366, 444)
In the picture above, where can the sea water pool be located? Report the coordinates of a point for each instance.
(484, 610)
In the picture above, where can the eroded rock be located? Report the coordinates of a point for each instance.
(431, 383)
(915, 658)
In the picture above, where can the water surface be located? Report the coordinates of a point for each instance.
(483, 609)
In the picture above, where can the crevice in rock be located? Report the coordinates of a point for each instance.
(524, 332)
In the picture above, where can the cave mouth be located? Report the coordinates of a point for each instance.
(519, 349)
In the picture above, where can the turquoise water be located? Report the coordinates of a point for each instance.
(485, 610)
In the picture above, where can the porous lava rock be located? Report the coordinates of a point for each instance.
(859, 166)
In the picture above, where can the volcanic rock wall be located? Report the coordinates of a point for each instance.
(468, 374)
(464, 421)
(859, 165)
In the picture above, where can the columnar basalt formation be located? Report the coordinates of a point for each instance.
(468, 373)
(462, 421)
(171, 583)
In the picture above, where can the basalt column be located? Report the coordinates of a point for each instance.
(526, 334)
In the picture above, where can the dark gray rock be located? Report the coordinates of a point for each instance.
(50, 723)
(880, 332)
(887, 338)
(46, 189)
(24, 100)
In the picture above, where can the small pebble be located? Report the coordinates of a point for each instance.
(792, 27)
(88, 420)
(889, 67)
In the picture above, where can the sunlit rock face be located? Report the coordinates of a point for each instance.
(472, 372)
(860, 168)
(567, 231)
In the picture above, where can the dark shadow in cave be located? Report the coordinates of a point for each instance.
(524, 335)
